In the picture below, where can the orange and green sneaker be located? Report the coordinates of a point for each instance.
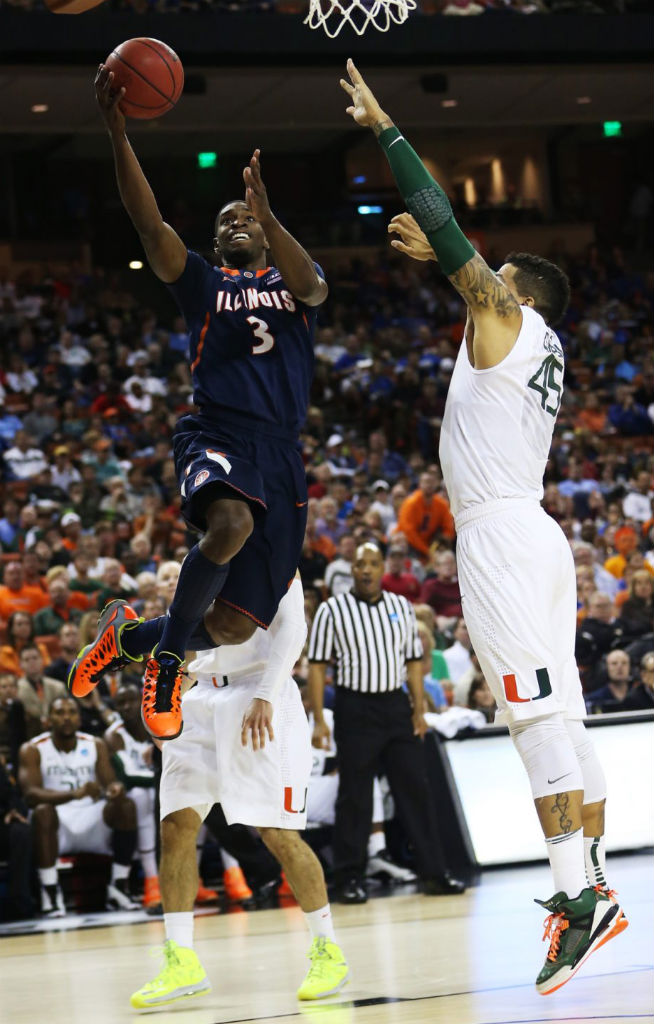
(161, 704)
(576, 928)
(106, 653)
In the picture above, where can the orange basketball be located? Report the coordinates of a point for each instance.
(72, 6)
(151, 73)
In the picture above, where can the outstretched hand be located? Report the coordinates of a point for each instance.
(109, 98)
(256, 196)
(364, 109)
(412, 240)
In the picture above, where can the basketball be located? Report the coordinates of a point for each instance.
(151, 74)
(71, 6)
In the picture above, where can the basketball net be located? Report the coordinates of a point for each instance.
(332, 15)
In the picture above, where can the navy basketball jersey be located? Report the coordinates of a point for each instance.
(251, 342)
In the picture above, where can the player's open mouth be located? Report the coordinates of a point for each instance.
(240, 236)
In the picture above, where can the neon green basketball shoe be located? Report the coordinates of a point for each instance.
(328, 972)
(182, 977)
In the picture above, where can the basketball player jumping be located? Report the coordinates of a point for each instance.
(259, 774)
(515, 566)
(237, 457)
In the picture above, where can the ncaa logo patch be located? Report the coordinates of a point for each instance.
(201, 477)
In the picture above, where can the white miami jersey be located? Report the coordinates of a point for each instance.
(135, 756)
(498, 423)
(67, 769)
(250, 658)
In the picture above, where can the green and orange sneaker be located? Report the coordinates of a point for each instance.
(576, 928)
(161, 705)
(106, 653)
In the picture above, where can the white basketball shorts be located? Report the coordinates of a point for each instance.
(519, 599)
(207, 764)
(82, 828)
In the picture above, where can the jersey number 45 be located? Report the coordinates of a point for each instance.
(544, 381)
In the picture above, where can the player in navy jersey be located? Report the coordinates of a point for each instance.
(237, 457)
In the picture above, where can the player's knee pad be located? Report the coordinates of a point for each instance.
(591, 769)
(548, 754)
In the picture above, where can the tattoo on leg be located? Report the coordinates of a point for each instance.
(560, 807)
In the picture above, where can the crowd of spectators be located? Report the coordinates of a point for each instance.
(91, 385)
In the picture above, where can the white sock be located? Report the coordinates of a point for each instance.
(119, 872)
(376, 843)
(148, 863)
(228, 860)
(595, 858)
(179, 928)
(48, 876)
(566, 854)
(321, 924)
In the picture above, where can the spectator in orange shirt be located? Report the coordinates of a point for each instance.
(71, 528)
(320, 542)
(33, 568)
(20, 632)
(64, 605)
(626, 541)
(16, 595)
(592, 417)
(425, 516)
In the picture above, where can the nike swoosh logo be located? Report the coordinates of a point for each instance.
(550, 782)
(301, 504)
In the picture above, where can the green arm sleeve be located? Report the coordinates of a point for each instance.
(426, 201)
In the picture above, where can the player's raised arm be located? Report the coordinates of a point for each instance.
(489, 299)
(293, 262)
(164, 249)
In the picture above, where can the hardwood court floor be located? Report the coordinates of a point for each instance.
(467, 959)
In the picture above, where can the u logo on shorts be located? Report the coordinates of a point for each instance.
(288, 801)
(511, 687)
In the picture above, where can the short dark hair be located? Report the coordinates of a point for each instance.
(544, 281)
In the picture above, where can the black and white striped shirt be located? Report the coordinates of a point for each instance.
(370, 643)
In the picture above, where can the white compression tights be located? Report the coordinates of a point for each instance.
(558, 757)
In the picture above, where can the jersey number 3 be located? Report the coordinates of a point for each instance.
(544, 381)
(261, 330)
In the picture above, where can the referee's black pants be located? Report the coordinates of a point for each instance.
(374, 734)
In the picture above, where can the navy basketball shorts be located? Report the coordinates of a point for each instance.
(265, 469)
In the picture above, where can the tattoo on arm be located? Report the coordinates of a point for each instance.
(482, 289)
(560, 807)
(381, 126)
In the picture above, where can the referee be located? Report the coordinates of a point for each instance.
(372, 637)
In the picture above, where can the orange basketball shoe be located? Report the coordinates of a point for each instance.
(106, 653)
(236, 888)
(204, 895)
(161, 705)
(284, 889)
(151, 893)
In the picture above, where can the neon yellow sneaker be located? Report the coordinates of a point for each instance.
(328, 972)
(182, 977)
